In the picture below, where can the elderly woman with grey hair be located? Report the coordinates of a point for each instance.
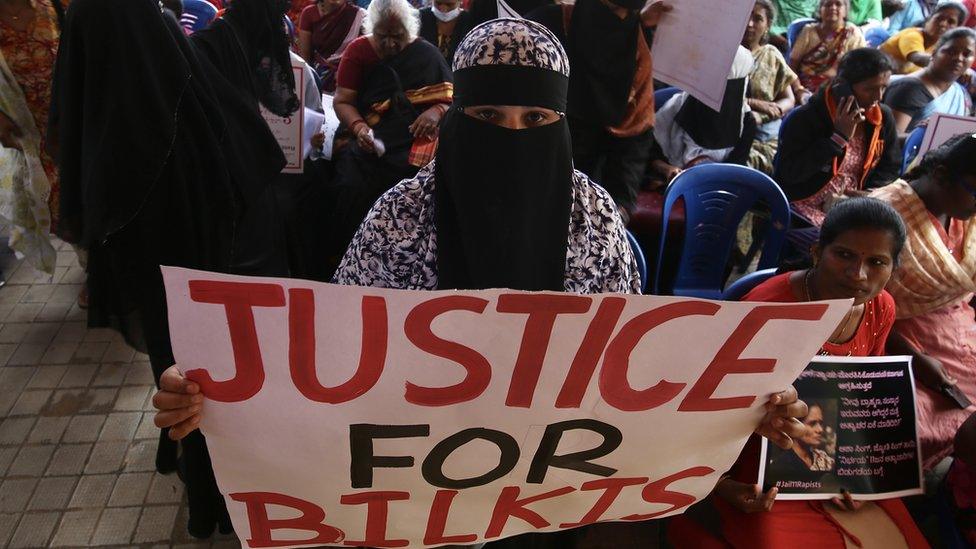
(393, 89)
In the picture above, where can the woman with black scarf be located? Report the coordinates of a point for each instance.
(500, 207)
(166, 160)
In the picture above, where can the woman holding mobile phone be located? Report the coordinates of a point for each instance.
(842, 142)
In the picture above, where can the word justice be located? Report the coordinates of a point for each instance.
(540, 310)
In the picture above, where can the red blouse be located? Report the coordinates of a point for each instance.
(869, 340)
(359, 57)
(799, 523)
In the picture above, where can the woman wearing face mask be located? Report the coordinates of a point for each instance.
(444, 24)
(500, 207)
(912, 48)
(935, 89)
(854, 258)
(393, 89)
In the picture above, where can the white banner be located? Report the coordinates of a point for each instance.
(386, 418)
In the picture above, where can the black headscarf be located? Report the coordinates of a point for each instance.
(259, 26)
(722, 129)
(503, 197)
(133, 97)
(603, 51)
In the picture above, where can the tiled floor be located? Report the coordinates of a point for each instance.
(77, 443)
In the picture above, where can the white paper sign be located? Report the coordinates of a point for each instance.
(695, 43)
(861, 437)
(289, 130)
(329, 126)
(387, 418)
(313, 124)
(941, 127)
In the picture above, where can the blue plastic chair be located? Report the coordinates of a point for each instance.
(716, 198)
(641, 260)
(197, 15)
(662, 96)
(912, 144)
(793, 31)
(738, 289)
(875, 36)
(290, 28)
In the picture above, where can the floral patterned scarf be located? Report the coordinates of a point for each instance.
(928, 275)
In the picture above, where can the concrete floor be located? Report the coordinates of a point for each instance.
(77, 442)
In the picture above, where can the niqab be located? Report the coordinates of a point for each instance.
(503, 196)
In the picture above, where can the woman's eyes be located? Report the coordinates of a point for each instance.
(531, 118)
(486, 114)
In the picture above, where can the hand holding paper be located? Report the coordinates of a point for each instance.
(339, 379)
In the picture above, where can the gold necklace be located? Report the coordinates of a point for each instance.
(809, 296)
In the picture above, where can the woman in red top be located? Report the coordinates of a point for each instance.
(325, 28)
(858, 249)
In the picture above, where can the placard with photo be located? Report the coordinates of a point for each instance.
(860, 436)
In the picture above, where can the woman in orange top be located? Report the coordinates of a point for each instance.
(912, 48)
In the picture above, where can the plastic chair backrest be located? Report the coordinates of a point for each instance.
(717, 197)
(641, 260)
(793, 31)
(662, 96)
(290, 27)
(197, 15)
(875, 36)
(738, 289)
(912, 144)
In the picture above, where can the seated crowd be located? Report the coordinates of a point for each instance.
(460, 134)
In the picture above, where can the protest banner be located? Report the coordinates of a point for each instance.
(861, 433)
(943, 126)
(288, 131)
(343, 415)
(695, 44)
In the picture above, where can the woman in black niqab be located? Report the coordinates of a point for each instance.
(166, 160)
